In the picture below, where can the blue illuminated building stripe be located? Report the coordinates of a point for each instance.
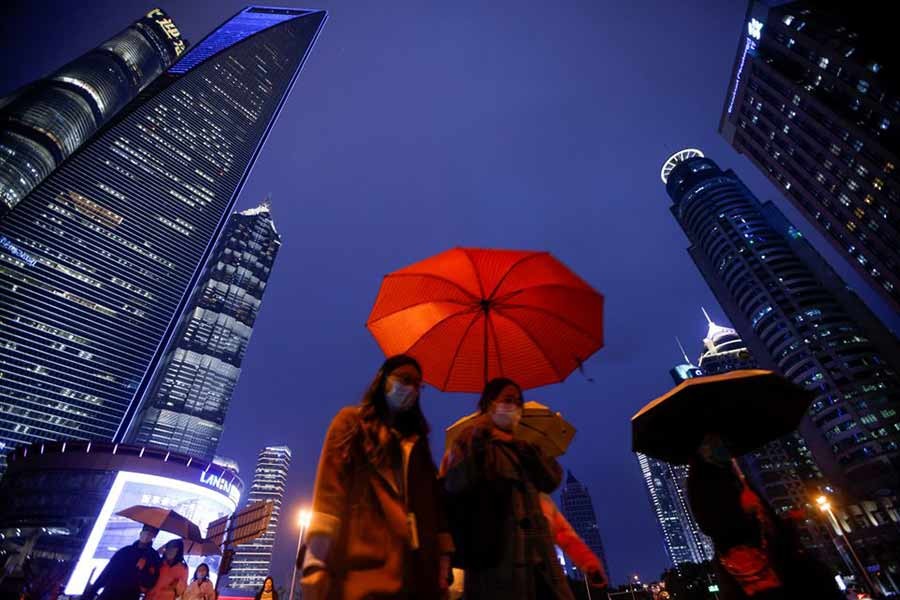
(249, 21)
(748, 46)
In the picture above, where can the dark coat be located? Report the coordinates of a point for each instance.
(503, 539)
(130, 571)
(366, 510)
(714, 495)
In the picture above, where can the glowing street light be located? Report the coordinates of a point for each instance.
(303, 521)
(825, 506)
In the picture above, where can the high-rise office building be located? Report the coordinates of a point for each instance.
(252, 561)
(186, 408)
(578, 508)
(798, 318)
(98, 262)
(813, 101)
(43, 123)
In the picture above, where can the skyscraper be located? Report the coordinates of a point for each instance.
(98, 262)
(797, 317)
(252, 561)
(578, 508)
(187, 406)
(43, 123)
(813, 102)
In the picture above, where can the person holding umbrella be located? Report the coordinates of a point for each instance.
(494, 482)
(378, 526)
(131, 571)
(173, 573)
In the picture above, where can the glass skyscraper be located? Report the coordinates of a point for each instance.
(189, 400)
(814, 102)
(46, 121)
(98, 262)
(578, 508)
(798, 318)
(252, 561)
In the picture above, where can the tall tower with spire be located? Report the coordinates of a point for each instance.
(578, 508)
(186, 412)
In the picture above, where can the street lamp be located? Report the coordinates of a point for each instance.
(303, 521)
(825, 506)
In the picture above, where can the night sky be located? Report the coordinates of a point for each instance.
(418, 126)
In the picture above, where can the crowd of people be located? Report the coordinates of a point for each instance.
(388, 523)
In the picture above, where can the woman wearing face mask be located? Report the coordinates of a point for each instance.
(378, 527)
(494, 483)
(173, 573)
(201, 587)
(758, 555)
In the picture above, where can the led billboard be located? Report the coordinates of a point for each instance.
(200, 502)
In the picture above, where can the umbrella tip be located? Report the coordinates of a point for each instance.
(706, 314)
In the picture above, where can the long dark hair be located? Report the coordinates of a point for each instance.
(197, 570)
(269, 578)
(373, 432)
(492, 390)
(179, 558)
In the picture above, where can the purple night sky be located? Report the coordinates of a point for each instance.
(416, 127)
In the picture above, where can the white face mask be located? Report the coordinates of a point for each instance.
(400, 397)
(506, 416)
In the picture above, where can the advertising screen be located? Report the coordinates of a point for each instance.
(200, 502)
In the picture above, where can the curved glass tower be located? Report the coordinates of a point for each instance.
(186, 411)
(798, 318)
(98, 263)
(44, 123)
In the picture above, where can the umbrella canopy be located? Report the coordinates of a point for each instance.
(201, 548)
(747, 408)
(163, 519)
(539, 425)
(469, 315)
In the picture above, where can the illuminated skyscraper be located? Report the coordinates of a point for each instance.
(43, 123)
(813, 101)
(186, 410)
(796, 317)
(252, 561)
(578, 508)
(97, 264)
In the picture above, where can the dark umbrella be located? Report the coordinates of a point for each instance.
(201, 548)
(164, 520)
(746, 408)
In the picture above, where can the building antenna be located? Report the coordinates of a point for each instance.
(706, 314)
(687, 361)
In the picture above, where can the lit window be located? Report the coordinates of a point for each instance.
(787, 129)
(862, 170)
(878, 184)
(851, 225)
(790, 43)
(868, 199)
(852, 184)
(889, 167)
(885, 123)
(835, 149)
(796, 100)
(863, 86)
(874, 67)
(849, 52)
(823, 63)
(788, 19)
(859, 212)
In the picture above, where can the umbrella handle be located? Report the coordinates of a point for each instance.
(738, 471)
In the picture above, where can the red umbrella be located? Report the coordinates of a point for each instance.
(469, 315)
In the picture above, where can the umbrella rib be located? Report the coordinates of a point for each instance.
(474, 270)
(536, 345)
(496, 343)
(559, 318)
(458, 347)
(399, 310)
(562, 286)
(513, 267)
(439, 278)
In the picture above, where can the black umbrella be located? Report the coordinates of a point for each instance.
(746, 408)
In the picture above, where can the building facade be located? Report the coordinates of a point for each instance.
(98, 262)
(578, 508)
(813, 102)
(186, 410)
(46, 121)
(252, 561)
(798, 318)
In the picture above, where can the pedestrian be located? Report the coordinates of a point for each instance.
(173, 573)
(267, 591)
(378, 527)
(201, 587)
(130, 572)
(757, 554)
(570, 542)
(494, 481)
